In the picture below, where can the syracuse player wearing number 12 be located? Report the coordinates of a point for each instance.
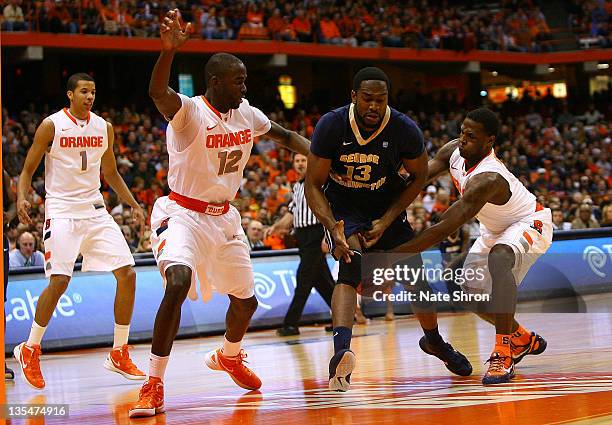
(76, 220)
(196, 232)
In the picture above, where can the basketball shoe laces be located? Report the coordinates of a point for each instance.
(496, 363)
(147, 392)
(33, 365)
(450, 353)
(237, 362)
(125, 361)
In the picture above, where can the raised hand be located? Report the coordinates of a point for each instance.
(173, 33)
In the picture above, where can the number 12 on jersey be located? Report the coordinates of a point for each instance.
(228, 161)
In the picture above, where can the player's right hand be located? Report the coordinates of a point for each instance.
(173, 34)
(341, 250)
(23, 208)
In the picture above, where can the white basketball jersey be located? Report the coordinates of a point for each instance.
(495, 218)
(72, 167)
(210, 168)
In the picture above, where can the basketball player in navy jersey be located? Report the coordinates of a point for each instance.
(352, 186)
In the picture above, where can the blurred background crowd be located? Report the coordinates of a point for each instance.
(512, 25)
(561, 154)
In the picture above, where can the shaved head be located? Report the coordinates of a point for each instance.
(219, 64)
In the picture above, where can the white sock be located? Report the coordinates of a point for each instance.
(122, 332)
(231, 349)
(36, 334)
(157, 365)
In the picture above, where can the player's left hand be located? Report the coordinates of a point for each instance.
(173, 33)
(374, 234)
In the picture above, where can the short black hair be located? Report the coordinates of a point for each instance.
(370, 73)
(74, 79)
(218, 64)
(487, 118)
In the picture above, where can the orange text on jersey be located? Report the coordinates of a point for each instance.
(82, 142)
(225, 140)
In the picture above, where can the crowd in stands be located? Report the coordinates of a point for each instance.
(562, 155)
(412, 23)
(592, 19)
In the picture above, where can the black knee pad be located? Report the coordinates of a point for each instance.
(350, 273)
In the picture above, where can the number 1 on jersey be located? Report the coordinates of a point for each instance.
(229, 161)
(83, 160)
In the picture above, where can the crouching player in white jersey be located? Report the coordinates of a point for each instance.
(77, 144)
(515, 230)
(195, 230)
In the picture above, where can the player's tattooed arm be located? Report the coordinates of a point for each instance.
(116, 182)
(316, 176)
(289, 139)
(441, 162)
(42, 138)
(173, 36)
(482, 188)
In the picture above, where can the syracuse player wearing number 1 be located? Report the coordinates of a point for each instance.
(195, 230)
(77, 144)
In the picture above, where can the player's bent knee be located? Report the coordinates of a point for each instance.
(59, 283)
(246, 306)
(350, 273)
(501, 259)
(126, 276)
(178, 279)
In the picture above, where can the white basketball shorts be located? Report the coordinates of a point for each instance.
(529, 238)
(213, 247)
(98, 239)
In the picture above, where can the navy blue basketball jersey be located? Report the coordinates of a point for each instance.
(364, 176)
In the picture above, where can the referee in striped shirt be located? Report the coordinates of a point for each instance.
(313, 270)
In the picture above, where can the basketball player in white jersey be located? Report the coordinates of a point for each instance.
(78, 144)
(196, 233)
(515, 230)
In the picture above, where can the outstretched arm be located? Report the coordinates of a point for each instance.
(440, 163)
(289, 139)
(173, 36)
(43, 136)
(115, 181)
(480, 189)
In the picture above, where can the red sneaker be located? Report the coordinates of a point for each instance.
(234, 366)
(150, 400)
(29, 360)
(119, 361)
(501, 369)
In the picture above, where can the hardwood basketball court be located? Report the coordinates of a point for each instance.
(394, 382)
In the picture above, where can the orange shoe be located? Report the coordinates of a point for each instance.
(501, 369)
(29, 360)
(150, 399)
(234, 366)
(535, 346)
(119, 361)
